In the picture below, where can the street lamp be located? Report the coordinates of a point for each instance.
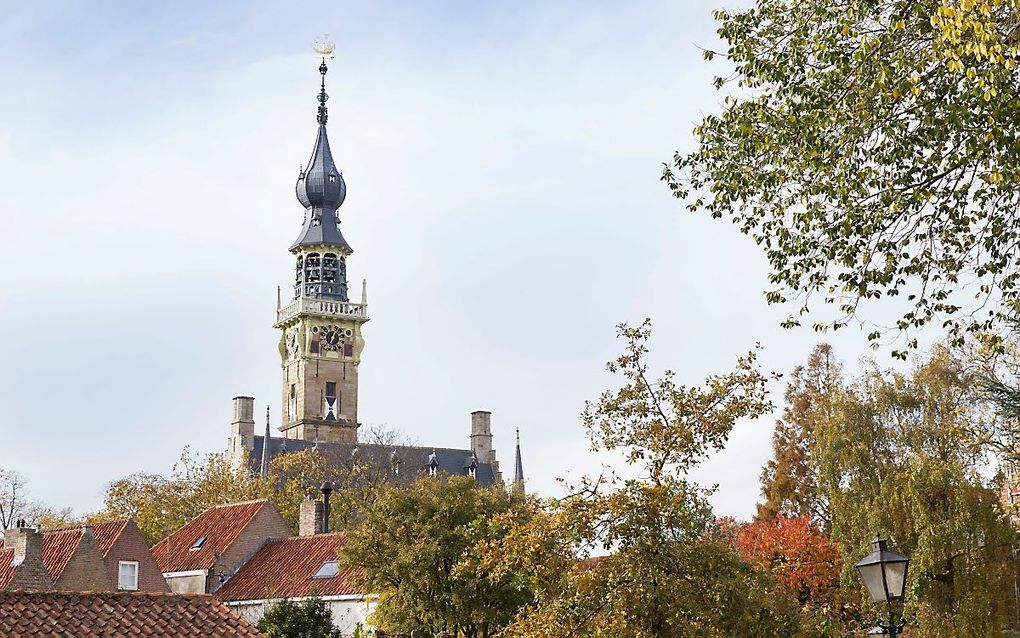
(885, 575)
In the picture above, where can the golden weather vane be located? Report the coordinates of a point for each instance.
(323, 45)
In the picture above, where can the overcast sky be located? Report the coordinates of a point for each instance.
(502, 161)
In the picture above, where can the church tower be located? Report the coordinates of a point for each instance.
(320, 329)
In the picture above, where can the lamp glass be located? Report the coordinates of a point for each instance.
(872, 576)
(895, 578)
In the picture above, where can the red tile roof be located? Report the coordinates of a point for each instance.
(6, 569)
(219, 525)
(284, 567)
(116, 614)
(57, 548)
(59, 544)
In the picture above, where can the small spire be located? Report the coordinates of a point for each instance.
(264, 466)
(364, 292)
(518, 484)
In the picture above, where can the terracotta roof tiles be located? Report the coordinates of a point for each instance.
(6, 569)
(116, 614)
(285, 567)
(220, 526)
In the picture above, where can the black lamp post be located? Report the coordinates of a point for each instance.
(885, 576)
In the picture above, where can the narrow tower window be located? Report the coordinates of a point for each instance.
(332, 407)
(292, 403)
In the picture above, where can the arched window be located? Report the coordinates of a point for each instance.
(329, 268)
(313, 274)
(312, 267)
(300, 266)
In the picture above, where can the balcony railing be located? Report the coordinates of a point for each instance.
(321, 307)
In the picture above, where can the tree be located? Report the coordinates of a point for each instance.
(870, 149)
(415, 547)
(161, 504)
(14, 501)
(789, 484)
(797, 555)
(669, 571)
(310, 618)
(901, 454)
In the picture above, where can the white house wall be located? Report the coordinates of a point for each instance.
(347, 614)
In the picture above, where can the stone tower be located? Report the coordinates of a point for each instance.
(320, 329)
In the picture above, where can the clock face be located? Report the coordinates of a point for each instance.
(332, 338)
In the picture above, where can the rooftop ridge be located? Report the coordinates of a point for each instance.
(236, 504)
(122, 521)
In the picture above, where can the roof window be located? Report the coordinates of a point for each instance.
(328, 570)
(198, 544)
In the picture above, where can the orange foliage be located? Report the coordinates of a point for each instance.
(797, 554)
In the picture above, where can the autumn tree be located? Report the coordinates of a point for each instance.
(161, 504)
(804, 562)
(666, 569)
(900, 453)
(869, 148)
(415, 548)
(789, 483)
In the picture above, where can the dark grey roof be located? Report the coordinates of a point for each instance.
(321, 188)
(414, 460)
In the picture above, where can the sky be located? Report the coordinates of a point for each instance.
(502, 161)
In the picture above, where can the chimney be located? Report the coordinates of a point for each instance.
(242, 427)
(481, 435)
(310, 518)
(327, 489)
(29, 571)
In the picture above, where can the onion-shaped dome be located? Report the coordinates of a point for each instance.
(320, 188)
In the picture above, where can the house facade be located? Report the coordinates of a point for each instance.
(204, 554)
(128, 564)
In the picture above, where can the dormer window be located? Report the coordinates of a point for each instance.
(197, 545)
(472, 471)
(327, 570)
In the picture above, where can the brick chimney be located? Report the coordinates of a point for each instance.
(29, 571)
(310, 518)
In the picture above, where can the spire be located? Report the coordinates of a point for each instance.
(320, 186)
(518, 484)
(264, 466)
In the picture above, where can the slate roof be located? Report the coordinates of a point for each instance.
(414, 460)
(284, 567)
(116, 614)
(219, 525)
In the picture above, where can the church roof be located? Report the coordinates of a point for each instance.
(413, 460)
